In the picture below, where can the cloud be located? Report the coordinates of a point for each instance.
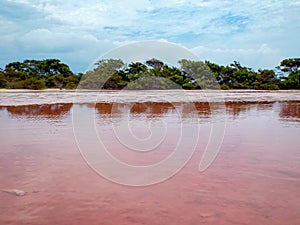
(76, 49)
(46, 41)
(68, 29)
(253, 58)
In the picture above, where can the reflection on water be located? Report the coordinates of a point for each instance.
(254, 180)
(153, 108)
(236, 109)
(203, 109)
(287, 110)
(47, 110)
(290, 109)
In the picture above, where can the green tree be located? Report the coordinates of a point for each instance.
(199, 72)
(266, 80)
(290, 65)
(33, 83)
(3, 81)
(103, 71)
(55, 81)
(292, 68)
(154, 74)
(136, 67)
(242, 77)
(37, 74)
(292, 81)
(115, 82)
(233, 76)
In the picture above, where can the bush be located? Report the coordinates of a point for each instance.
(3, 81)
(224, 87)
(71, 86)
(33, 83)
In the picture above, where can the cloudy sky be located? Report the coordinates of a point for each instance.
(258, 33)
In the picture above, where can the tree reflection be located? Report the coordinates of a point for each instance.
(203, 109)
(290, 109)
(45, 110)
(102, 108)
(154, 109)
(148, 109)
(237, 108)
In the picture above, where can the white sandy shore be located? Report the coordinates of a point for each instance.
(29, 90)
(52, 96)
(175, 90)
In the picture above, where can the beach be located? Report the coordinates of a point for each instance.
(29, 97)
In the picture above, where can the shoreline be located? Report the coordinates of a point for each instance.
(151, 90)
(52, 96)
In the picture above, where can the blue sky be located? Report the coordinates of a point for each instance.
(258, 33)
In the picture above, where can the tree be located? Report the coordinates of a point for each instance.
(292, 81)
(266, 80)
(290, 65)
(35, 74)
(154, 63)
(136, 67)
(154, 74)
(49, 67)
(222, 74)
(115, 82)
(3, 81)
(266, 76)
(55, 81)
(199, 72)
(34, 83)
(101, 74)
(242, 77)
(233, 76)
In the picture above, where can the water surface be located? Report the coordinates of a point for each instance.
(254, 180)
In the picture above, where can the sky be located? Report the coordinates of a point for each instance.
(257, 33)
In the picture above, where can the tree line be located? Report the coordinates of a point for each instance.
(38, 74)
(152, 74)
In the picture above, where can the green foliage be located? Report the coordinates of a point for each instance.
(99, 76)
(290, 65)
(153, 74)
(135, 68)
(292, 81)
(33, 83)
(295, 77)
(224, 87)
(199, 73)
(38, 74)
(266, 80)
(3, 81)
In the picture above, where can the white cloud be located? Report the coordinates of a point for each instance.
(78, 50)
(253, 58)
(88, 15)
(242, 29)
(40, 40)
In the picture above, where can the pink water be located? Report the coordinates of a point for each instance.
(254, 180)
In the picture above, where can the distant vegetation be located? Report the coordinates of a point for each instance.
(152, 74)
(38, 74)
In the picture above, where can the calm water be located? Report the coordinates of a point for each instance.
(255, 178)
